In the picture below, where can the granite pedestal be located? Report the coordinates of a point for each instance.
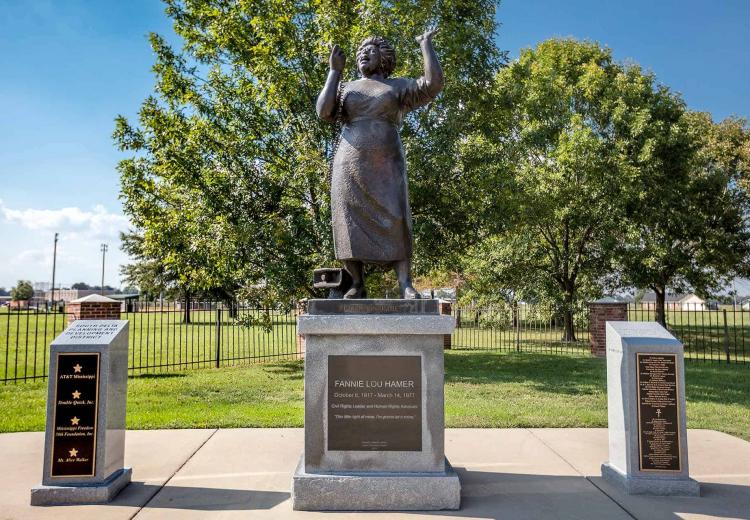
(85, 434)
(648, 452)
(374, 408)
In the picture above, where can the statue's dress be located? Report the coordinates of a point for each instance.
(369, 191)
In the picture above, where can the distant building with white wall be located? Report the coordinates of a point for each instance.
(675, 302)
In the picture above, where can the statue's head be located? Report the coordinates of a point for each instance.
(376, 55)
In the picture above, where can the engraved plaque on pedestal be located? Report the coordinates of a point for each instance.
(374, 403)
(374, 408)
(648, 451)
(75, 414)
(84, 446)
(658, 416)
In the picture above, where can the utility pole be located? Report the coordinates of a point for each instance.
(54, 266)
(104, 253)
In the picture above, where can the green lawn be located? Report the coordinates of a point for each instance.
(483, 389)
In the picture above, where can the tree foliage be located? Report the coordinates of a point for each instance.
(227, 184)
(22, 291)
(687, 219)
(561, 111)
(149, 273)
(616, 184)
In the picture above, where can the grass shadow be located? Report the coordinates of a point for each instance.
(165, 375)
(574, 375)
(290, 370)
(552, 373)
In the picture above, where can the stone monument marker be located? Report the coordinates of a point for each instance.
(85, 434)
(374, 408)
(648, 453)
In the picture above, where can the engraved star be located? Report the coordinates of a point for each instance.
(76, 395)
(73, 452)
(74, 421)
(77, 368)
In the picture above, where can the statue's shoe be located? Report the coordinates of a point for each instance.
(410, 293)
(355, 293)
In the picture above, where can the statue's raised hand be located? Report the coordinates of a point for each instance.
(337, 60)
(427, 35)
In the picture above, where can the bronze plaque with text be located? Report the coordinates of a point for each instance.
(375, 403)
(75, 409)
(658, 413)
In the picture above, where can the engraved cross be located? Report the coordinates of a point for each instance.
(658, 412)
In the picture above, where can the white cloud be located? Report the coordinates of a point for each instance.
(31, 256)
(98, 224)
(27, 237)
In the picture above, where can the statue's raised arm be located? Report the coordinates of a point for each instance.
(326, 105)
(433, 72)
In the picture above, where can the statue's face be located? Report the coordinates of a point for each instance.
(368, 60)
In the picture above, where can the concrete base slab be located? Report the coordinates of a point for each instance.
(82, 494)
(154, 455)
(523, 474)
(655, 486)
(375, 491)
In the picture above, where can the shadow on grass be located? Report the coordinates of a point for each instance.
(724, 384)
(572, 375)
(547, 373)
(291, 370)
(165, 375)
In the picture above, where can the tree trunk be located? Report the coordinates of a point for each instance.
(188, 303)
(569, 333)
(660, 293)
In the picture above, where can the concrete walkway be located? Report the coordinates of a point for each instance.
(510, 474)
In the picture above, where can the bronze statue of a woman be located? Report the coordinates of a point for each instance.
(369, 190)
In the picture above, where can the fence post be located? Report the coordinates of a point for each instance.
(218, 335)
(726, 337)
(517, 314)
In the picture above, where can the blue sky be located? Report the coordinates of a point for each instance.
(69, 67)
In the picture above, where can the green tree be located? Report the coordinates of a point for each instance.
(80, 285)
(22, 291)
(575, 127)
(155, 274)
(686, 221)
(227, 184)
(149, 274)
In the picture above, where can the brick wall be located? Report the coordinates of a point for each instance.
(93, 311)
(599, 314)
(446, 308)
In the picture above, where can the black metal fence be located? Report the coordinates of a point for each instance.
(164, 336)
(708, 334)
(518, 328)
